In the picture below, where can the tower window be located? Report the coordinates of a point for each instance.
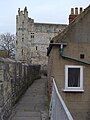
(23, 22)
(36, 47)
(22, 51)
(32, 36)
(22, 39)
(16, 42)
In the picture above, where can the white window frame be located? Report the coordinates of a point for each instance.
(73, 89)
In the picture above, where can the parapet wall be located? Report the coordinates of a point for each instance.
(15, 78)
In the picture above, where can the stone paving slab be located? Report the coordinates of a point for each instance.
(26, 118)
(33, 104)
(28, 114)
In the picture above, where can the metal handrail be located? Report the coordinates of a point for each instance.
(58, 108)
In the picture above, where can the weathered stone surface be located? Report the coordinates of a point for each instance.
(16, 78)
(33, 38)
(33, 105)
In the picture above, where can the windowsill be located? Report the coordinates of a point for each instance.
(72, 90)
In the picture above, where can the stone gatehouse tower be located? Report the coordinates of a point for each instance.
(32, 39)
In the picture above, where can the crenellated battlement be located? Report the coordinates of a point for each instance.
(23, 12)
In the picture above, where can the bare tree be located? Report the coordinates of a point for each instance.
(7, 43)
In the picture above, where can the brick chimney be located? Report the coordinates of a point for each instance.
(74, 13)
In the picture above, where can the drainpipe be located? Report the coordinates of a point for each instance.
(61, 50)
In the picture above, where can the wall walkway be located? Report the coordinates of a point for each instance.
(15, 78)
(33, 104)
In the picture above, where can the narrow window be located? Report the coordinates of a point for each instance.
(16, 42)
(32, 36)
(23, 23)
(36, 47)
(22, 39)
(22, 51)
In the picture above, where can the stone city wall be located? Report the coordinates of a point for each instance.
(15, 78)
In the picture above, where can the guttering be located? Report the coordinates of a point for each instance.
(61, 49)
(54, 44)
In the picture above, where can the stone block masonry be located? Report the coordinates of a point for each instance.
(15, 78)
(32, 39)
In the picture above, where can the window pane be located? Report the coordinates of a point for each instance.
(73, 77)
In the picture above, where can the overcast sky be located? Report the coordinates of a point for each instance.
(47, 11)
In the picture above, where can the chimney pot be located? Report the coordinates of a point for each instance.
(81, 10)
(73, 15)
(72, 11)
(76, 11)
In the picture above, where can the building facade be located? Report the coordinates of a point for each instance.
(32, 39)
(69, 64)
